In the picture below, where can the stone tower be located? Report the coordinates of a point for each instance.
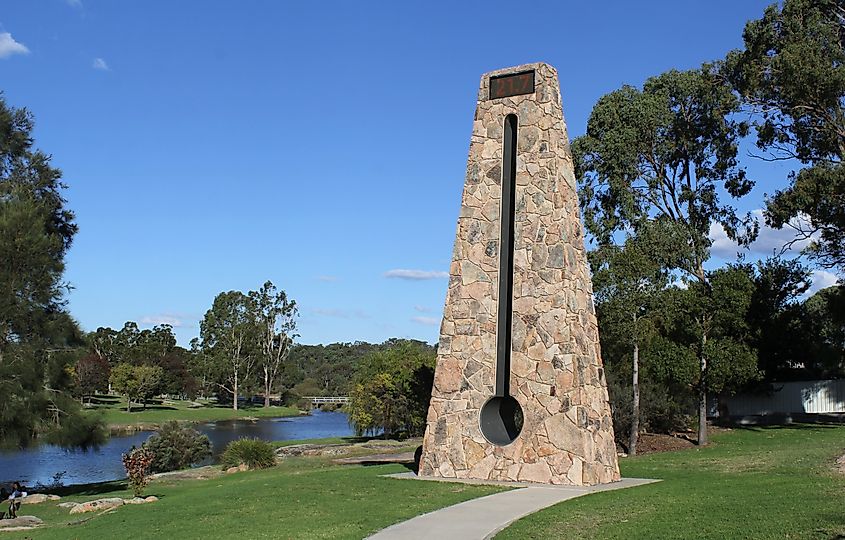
(519, 389)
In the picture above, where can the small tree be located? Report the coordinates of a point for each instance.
(137, 463)
(627, 283)
(149, 380)
(124, 382)
(92, 374)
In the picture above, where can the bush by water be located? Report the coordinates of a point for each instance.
(255, 453)
(177, 447)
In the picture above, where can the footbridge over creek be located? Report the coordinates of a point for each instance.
(316, 401)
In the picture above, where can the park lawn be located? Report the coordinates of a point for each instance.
(750, 483)
(113, 411)
(303, 498)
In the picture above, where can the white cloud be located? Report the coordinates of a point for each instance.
(400, 273)
(8, 46)
(427, 321)
(822, 279)
(74, 3)
(423, 309)
(327, 279)
(769, 242)
(100, 64)
(163, 318)
(340, 313)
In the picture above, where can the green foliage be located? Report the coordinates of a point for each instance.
(123, 381)
(776, 317)
(665, 407)
(275, 318)
(652, 165)
(149, 381)
(229, 343)
(392, 389)
(711, 320)
(176, 446)
(657, 156)
(824, 323)
(325, 369)
(254, 453)
(156, 347)
(791, 75)
(38, 339)
(136, 382)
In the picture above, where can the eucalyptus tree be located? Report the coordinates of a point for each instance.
(276, 323)
(661, 157)
(791, 77)
(228, 335)
(627, 282)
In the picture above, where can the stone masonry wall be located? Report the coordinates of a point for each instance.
(556, 367)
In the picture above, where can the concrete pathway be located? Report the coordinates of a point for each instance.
(482, 518)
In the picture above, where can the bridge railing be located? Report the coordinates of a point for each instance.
(323, 400)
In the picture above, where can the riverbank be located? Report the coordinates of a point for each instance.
(302, 497)
(44, 463)
(114, 414)
(750, 483)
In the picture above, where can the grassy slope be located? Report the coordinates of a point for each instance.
(304, 498)
(762, 483)
(114, 412)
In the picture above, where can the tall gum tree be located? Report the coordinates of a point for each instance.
(790, 76)
(276, 324)
(659, 158)
(227, 334)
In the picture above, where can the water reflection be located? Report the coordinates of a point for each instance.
(40, 463)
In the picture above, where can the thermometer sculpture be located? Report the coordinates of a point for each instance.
(519, 390)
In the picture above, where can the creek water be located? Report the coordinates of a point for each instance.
(38, 464)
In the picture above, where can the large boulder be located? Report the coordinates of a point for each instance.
(98, 505)
(141, 500)
(20, 523)
(37, 498)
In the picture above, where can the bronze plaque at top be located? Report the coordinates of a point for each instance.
(512, 85)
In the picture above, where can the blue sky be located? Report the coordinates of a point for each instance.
(213, 145)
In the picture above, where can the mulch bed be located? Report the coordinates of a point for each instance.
(650, 443)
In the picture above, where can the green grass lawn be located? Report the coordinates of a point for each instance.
(751, 483)
(303, 498)
(760, 483)
(114, 413)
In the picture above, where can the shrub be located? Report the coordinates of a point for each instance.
(137, 464)
(255, 453)
(177, 447)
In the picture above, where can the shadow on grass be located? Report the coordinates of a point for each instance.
(97, 488)
(786, 422)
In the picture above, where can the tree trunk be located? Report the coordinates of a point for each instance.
(635, 410)
(235, 394)
(128, 404)
(702, 396)
(267, 384)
